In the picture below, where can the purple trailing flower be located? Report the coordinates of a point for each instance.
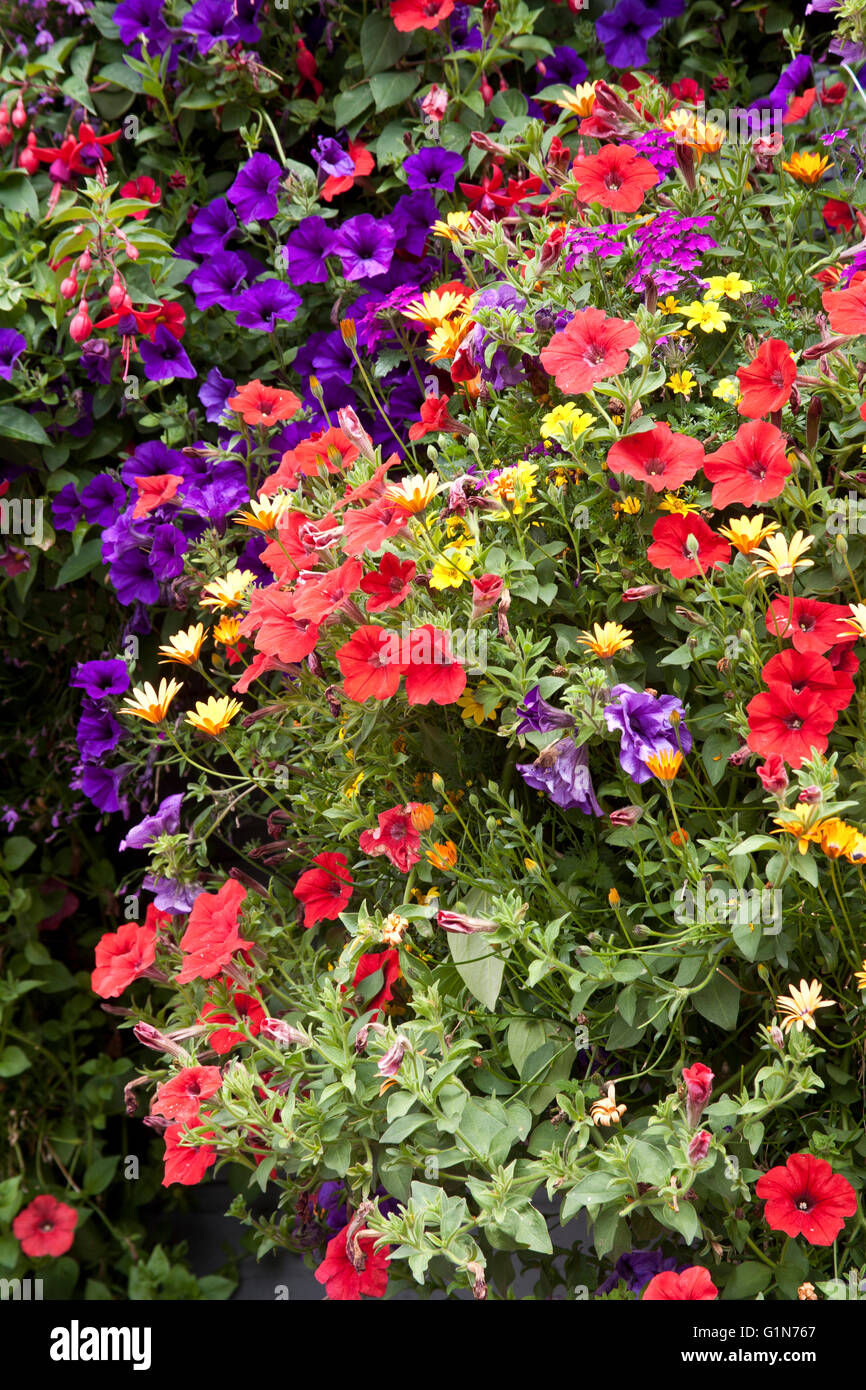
(433, 167)
(12, 344)
(668, 246)
(211, 22)
(212, 226)
(66, 509)
(539, 717)
(563, 65)
(214, 393)
(262, 305)
(625, 32)
(635, 1268)
(412, 217)
(644, 721)
(496, 369)
(101, 785)
(254, 191)
(306, 249)
(142, 19)
(562, 772)
(100, 678)
(798, 72)
(170, 894)
(332, 159)
(98, 732)
(103, 499)
(165, 358)
(164, 821)
(167, 552)
(330, 1207)
(216, 283)
(365, 245)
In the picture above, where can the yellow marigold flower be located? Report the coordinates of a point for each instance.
(799, 1007)
(730, 286)
(473, 710)
(393, 928)
(856, 850)
(443, 856)
(434, 307)
(227, 592)
(679, 838)
(147, 703)
(707, 316)
(806, 1293)
(671, 503)
(354, 787)
(682, 383)
(630, 505)
(227, 631)
(606, 641)
(665, 764)
(452, 570)
(446, 338)
(746, 532)
(415, 493)
(264, 515)
(605, 1111)
(421, 815)
(836, 837)
(565, 422)
(579, 101)
(215, 714)
(530, 864)
(455, 223)
(860, 976)
(857, 620)
(515, 485)
(805, 826)
(669, 305)
(184, 646)
(783, 557)
(728, 390)
(806, 167)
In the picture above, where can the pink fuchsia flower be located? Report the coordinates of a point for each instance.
(699, 1087)
(45, 1227)
(694, 1285)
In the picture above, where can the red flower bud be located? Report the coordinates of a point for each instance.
(81, 327)
(699, 1087)
(19, 115)
(117, 294)
(699, 1147)
(84, 262)
(69, 287)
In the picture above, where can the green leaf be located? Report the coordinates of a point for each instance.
(479, 965)
(382, 45)
(749, 1278)
(392, 88)
(17, 193)
(99, 1174)
(10, 1198)
(403, 1127)
(88, 557)
(719, 1001)
(13, 1061)
(16, 851)
(19, 424)
(348, 106)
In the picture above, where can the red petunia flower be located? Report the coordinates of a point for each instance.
(122, 956)
(211, 937)
(279, 633)
(409, 15)
(658, 457)
(800, 106)
(615, 177)
(767, 381)
(389, 963)
(434, 417)
(389, 584)
(801, 671)
(45, 1227)
(258, 404)
(590, 348)
(694, 1284)
(246, 1008)
(433, 672)
(686, 546)
(846, 309)
(346, 1280)
(372, 663)
(370, 527)
(154, 491)
(806, 1198)
(341, 183)
(324, 594)
(838, 215)
(395, 836)
(811, 624)
(325, 890)
(750, 468)
(185, 1163)
(181, 1097)
(833, 95)
(143, 188)
(793, 725)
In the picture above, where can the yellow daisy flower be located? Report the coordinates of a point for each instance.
(783, 557)
(264, 515)
(415, 493)
(606, 641)
(665, 764)
(730, 286)
(146, 703)
(799, 1007)
(707, 316)
(184, 646)
(580, 101)
(227, 592)
(682, 383)
(472, 708)
(728, 390)
(227, 631)
(746, 532)
(455, 223)
(806, 167)
(215, 714)
(451, 571)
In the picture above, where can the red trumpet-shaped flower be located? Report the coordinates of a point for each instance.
(767, 381)
(590, 348)
(686, 546)
(658, 457)
(806, 1198)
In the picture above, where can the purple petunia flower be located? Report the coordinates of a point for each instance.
(171, 895)
(262, 305)
(214, 393)
(365, 245)
(219, 491)
(332, 358)
(150, 459)
(412, 217)
(101, 785)
(210, 22)
(562, 772)
(539, 717)
(644, 721)
(143, 19)
(167, 552)
(564, 65)
(635, 1268)
(798, 71)
(212, 226)
(164, 821)
(433, 167)
(12, 344)
(132, 577)
(306, 249)
(254, 191)
(103, 499)
(625, 32)
(100, 678)
(217, 281)
(165, 358)
(332, 159)
(98, 732)
(66, 510)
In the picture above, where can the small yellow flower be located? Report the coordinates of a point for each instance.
(515, 485)
(606, 641)
(665, 764)
(669, 305)
(805, 826)
(147, 703)
(264, 515)
(443, 856)
(806, 167)
(629, 505)
(783, 557)
(613, 897)
(746, 532)
(799, 1007)
(473, 710)
(451, 228)
(393, 928)
(836, 837)
(682, 383)
(857, 620)
(452, 570)
(707, 316)
(184, 646)
(227, 631)
(354, 787)
(565, 422)
(671, 503)
(729, 286)
(605, 1111)
(855, 852)
(702, 138)
(446, 338)
(227, 592)
(860, 976)
(215, 714)
(415, 493)
(728, 390)
(434, 308)
(579, 101)
(349, 332)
